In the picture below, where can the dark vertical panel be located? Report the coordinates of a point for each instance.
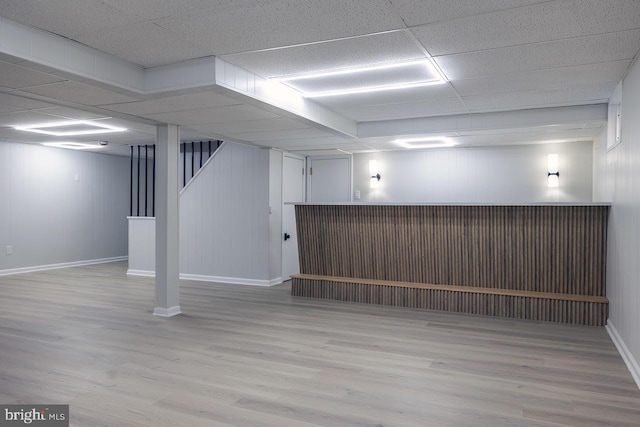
(184, 164)
(153, 185)
(146, 183)
(201, 153)
(138, 194)
(558, 249)
(131, 180)
(193, 155)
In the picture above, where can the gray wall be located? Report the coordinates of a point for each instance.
(49, 217)
(618, 181)
(504, 174)
(224, 217)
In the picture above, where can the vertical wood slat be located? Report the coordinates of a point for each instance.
(573, 312)
(536, 248)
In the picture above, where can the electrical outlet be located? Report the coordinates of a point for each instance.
(76, 178)
(357, 195)
(9, 250)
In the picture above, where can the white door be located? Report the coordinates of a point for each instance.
(293, 174)
(329, 179)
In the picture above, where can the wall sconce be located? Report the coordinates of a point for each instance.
(373, 171)
(553, 176)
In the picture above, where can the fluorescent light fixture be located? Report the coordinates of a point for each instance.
(390, 66)
(553, 176)
(72, 145)
(430, 68)
(370, 89)
(66, 128)
(425, 142)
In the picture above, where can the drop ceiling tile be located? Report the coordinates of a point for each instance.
(536, 23)
(213, 115)
(20, 103)
(80, 93)
(23, 118)
(587, 94)
(394, 46)
(282, 23)
(66, 18)
(69, 113)
(191, 101)
(544, 79)
(279, 134)
(417, 12)
(426, 93)
(4, 109)
(144, 43)
(155, 9)
(16, 76)
(555, 54)
(249, 126)
(402, 111)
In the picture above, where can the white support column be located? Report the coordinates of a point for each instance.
(167, 221)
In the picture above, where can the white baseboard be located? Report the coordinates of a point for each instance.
(628, 358)
(215, 279)
(35, 268)
(144, 273)
(167, 312)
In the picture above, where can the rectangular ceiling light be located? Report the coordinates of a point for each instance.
(425, 142)
(72, 145)
(376, 78)
(71, 128)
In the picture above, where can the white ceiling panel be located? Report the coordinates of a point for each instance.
(80, 93)
(69, 113)
(4, 109)
(426, 93)
(16, 76)
(274, 135)
(66, 18)
(282, 23)
(537, 23)
(417, 12)
(154, 9)
(144, 43)
(577, 95)
(24, 118)
(555, 54)
(213, 115)
(394, 46)
(548, 79)
(408, 110)
(191, 101)
(249, 126)
(20, 103)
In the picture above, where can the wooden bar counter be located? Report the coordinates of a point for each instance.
(541, 262)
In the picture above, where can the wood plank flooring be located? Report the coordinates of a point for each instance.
(247, 356)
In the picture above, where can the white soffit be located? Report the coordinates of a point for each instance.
(483, 121)
(79, 93)
(190, 101)
(249, 126)
(387, 47)
(438, 107)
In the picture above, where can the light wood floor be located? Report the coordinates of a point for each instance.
(247, 356)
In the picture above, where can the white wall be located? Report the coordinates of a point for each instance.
(224, 218)
(49, 218)
(504, 174)
(618, 181)
(275, 215)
